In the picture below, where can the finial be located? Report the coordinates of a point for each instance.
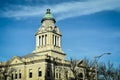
(48, 11)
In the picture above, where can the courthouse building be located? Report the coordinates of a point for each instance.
(47, 61)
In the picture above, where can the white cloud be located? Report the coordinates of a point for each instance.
(65, 10)
(82, 33)
(74, 9)
(69, 50)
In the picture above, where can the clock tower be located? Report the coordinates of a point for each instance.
(48, 37)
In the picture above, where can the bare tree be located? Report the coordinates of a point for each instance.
(86, 65)
(5, 71)
(117, 73)
(90, 69)
(73, 67)
(109, 71)
(89, 63)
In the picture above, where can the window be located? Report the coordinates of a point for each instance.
(42, 40)
(30, 73)
(16, 75)
(59, 75)
(45, 39)
(80, 76)
(19, 74)
(12, 76)
(56, 75)
(39, 41)
(48, 72)
(39, 72)
(57, 42)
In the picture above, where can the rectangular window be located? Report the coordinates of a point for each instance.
(12, 76)
(19, 75)
(59, 75)
(15, 75)
(56, 75)
(48, 72)
(39, 73)
(30, 73)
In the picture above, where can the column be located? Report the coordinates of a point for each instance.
(54, 40)
(39, 41)
(59, 42)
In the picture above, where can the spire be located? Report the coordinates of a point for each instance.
(48, 16)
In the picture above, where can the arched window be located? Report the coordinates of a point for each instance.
(45, 39)
(80, 75)
(39, 40)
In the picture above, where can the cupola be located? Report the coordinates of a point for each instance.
(48, 16)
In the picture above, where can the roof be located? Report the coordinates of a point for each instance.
(48, 16)
(29, 55)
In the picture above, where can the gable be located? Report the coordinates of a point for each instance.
(16, 60)
(81, 63)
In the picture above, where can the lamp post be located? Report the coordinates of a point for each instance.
(96, 58)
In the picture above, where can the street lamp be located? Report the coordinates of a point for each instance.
(96, 58)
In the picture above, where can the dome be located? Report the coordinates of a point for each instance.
(48, 16)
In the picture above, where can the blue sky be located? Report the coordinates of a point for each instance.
(89, 27)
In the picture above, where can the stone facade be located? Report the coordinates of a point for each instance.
(47, 61)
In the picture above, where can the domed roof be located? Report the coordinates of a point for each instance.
(48, 16)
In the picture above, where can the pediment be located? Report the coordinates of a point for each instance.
(81, 63)
(16, 60)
